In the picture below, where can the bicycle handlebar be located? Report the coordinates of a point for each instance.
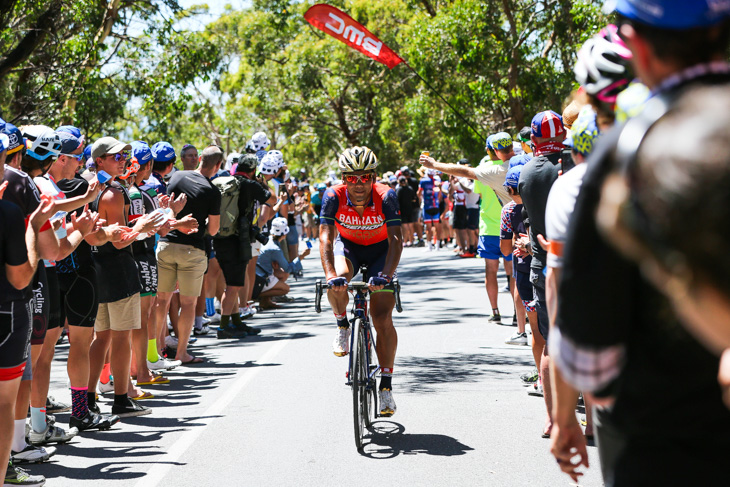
(320, 286)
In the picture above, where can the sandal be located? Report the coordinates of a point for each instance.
(156, 380)
(145, 395)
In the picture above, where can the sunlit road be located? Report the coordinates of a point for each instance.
(274, 410)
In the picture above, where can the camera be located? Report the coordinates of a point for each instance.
(258, 235)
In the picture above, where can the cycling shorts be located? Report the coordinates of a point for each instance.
(54, 299)
(15, 331)
(431, 215)
(373, 256)
(489, 248)
(292, 238)
(147, 269)
(459, 217)
(40, 306)
(525, 290)
(79, 297)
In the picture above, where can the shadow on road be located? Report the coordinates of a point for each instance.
(388, 439)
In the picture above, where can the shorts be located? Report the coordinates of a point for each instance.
(459, 217)
(525, 290)
(431, 215)
(147, 268)
(15, 331)
(79, 297)
(307, 219)
(415, 214)
(263, 284)
(543, 321)
(489, 248)
(231, 262)
(28, 372)
(442, 207)
(292, 238)
(209, 248)
(180, 264)
(406, 216)
(122, 315)
(372, 256)
(472, 218)
(256, 248)
(40, 306)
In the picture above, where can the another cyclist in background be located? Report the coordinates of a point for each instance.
(367, 218)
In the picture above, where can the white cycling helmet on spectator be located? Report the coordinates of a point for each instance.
(232, 159)
(41, 142)
(260, 141)
(279, 227)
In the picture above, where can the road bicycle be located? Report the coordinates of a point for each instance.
(362, 367)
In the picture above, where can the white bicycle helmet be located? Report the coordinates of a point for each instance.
(357, 159)
(260, 141)
(603, 68)
(41, 142)
(279, 227)
(232, 159)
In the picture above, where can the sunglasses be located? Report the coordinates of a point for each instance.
(365, 178)
(124, 155)
(78, 157)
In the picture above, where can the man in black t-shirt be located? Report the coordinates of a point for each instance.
(234, 252)
(181, 258)
(408, 201)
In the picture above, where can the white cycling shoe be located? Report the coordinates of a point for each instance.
(341, 345)
(387, 403)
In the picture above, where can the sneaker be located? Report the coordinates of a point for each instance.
(529, 377)
(130, 409)
(217, 305)
(192, 340)
(251, 330)
(282, 299)
(103, 388)
(170, 341)
(163, 364)
(228, 332)
(387, 403)
(517, 339)
(496, 318)
(32, 454)
(247, 312)
(169, 325)
(467, 255)
(341, 345)
(53, 406)
(505, 289)
(216, 318)
(536, 389)
(203, 330)
(18, 476)
(52, 434)
(93, 421)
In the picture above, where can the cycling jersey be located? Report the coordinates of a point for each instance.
(429, 193)
(371, 227)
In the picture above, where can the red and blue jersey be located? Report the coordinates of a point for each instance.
(371, 227)
(429, 192)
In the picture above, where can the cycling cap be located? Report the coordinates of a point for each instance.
(672, 14)
(392, 179)
(501, 140)
(547, 125)
(70, 129)
(431, 173)
(519, 160)
(260, 141)
(489, 142)
(603, 68)
(87, 152)
(69, 142)
(41, 142)
(141, 152)
(109, 145)
(357, 159)
(247, 163)
(15, 137)
(4, 142)
(512, 179)
(320, 186)
(585, 131)
(525, 134)
(517, 148)
(279, 226)
(163, 152)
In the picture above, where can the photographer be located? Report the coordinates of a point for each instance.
(233, 242)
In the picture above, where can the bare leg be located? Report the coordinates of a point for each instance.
(97, 354)
(381, 311)
(538, 342)
(8, 395)
(490, 281)
(42, 369)
(185, 327)
(121, 347)
(78, 355)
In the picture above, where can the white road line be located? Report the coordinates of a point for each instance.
(158, 471)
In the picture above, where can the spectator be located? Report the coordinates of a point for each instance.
(407, 201)
(189, 157)
(163, 165)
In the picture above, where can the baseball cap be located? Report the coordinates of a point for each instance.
(547, 125)
(501, 140)
(519, 160)
(672, 14)
(392, 178)
(585, 131)
(69, 142)
(107, 145)
(70, 129)
(463, 162)
(15, 138)
(525, 134)
(141, 152)
(512, 179)
(4, 142)
(163, 152)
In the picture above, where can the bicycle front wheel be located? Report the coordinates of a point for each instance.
(359, 378)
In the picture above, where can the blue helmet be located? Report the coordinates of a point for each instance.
(672, 14)
(512, 179)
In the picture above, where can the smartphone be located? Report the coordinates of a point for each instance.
(568, 163)
(282, 188)
(309, 244)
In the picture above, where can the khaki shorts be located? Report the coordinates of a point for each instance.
(308, 219)
(183, 265)
(256, 249)
(122, 315)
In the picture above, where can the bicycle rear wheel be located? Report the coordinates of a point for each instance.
(359, 377)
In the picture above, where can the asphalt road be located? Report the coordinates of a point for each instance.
(274, 410)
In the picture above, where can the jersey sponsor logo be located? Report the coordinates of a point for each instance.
(356, 222)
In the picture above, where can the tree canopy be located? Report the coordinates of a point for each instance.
(135, 68)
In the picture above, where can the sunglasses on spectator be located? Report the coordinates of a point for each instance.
(78, 157)
(364, 178)
(124, 155)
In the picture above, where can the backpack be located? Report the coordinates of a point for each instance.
(230, 189)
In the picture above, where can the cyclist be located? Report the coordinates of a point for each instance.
(367, 218)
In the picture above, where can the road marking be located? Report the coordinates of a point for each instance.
(158, 471)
